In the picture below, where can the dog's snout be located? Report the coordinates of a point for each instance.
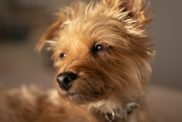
(65, 80)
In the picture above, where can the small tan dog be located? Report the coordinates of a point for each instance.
(102, 54)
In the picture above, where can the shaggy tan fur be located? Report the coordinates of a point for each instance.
(108, 80)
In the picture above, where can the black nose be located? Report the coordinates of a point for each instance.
(65, 80)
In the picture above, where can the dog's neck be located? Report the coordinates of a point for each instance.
(114, 110)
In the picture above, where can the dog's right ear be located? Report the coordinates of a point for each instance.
(134, 14)
(48, 39)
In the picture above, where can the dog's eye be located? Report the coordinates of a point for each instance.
(62, 55)
(98, 48)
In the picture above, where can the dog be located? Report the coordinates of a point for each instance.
(102, 54)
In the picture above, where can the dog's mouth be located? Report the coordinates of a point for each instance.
(78, 98)
(84, 90)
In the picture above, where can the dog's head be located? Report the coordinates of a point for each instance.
(101, 51)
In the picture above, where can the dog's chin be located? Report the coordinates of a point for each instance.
(77, 98)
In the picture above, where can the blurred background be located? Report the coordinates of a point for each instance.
(23, 21)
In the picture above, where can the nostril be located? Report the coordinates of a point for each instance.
(71, 76)
(65, 80)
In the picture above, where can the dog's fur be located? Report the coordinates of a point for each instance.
(108, 80)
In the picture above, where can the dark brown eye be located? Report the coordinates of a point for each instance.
(98, 48)
(62, 55)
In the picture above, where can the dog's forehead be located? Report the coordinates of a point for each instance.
(73, 39)
(90, 30)
(75, 32)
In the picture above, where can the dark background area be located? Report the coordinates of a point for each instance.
(21, 24)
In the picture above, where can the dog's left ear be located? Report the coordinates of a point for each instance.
(131, 12)
(49, 37)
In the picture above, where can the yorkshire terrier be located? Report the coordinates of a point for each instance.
(102, 54)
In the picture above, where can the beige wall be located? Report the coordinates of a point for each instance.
(166, 32)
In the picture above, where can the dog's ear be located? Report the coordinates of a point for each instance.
(48, 39)
(134, 13)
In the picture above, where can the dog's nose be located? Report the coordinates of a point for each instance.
(65, 80)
